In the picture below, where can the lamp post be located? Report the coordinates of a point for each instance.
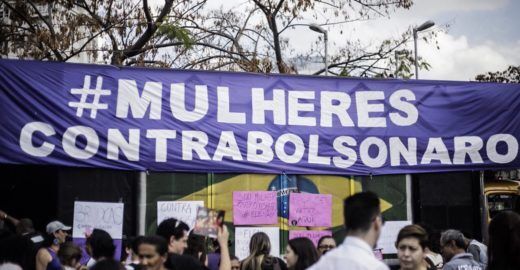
(319, 29)
(422, 27)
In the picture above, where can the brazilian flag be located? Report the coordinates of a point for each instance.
(216, 190)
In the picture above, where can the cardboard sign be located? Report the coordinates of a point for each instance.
(307, 209)
(185, 211)
(98, 215)
(388, 236)
(314, 236)
(256, 207)
(243, 237)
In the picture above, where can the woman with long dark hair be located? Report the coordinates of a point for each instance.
(259, 258)
(300, 254)
(504, 242)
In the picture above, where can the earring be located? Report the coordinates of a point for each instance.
(56, 241)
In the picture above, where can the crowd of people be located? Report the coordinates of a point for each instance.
(174, 247)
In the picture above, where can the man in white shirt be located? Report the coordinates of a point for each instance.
(363, 224)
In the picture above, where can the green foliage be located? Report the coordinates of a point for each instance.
(175, 33)
(344, 73)
(510, 75)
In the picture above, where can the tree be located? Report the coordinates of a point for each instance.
(510, 75)
(186, 34)
(113, 31)
(252, 38)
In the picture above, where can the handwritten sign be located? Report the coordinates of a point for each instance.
(307, 209)
(314, 236)
(388, 236)
(254, 207)
(98, 215)
(185, 211)
(243, 237)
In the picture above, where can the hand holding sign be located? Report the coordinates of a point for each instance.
(208, 221)
(307, 209)
(257, 207)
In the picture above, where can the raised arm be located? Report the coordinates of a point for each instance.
(223, 237)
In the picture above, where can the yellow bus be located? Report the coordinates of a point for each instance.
(501, 195)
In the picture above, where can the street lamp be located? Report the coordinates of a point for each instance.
(422, 27)
(316, 28)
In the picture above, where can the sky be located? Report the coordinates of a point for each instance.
(483, 35)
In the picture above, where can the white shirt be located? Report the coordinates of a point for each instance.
(353, 254)
(90, 263)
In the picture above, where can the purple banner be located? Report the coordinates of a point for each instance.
(178, 120)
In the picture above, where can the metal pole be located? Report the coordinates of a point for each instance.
(141, 205)
(409, 209)
(326, 54)
(483, 209)
(415, 52)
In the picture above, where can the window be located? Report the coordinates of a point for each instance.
(501, 202)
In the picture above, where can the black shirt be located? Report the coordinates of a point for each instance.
(183, 262)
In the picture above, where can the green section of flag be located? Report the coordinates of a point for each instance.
(392, 188)
(170, 187)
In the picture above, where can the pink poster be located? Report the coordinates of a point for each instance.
(255, 208)
(313, 235)
(307, 209)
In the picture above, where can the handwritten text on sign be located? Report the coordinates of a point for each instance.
(307, 209)
(243, 237)
(98, 215)
(257, 207)
(314, 236)
(388, 235)
(185, 211)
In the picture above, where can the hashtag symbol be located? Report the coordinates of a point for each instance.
(85, 92)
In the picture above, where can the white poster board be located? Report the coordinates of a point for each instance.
(243, 236)
(388, 236)
(185, 211)
(98, 215)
